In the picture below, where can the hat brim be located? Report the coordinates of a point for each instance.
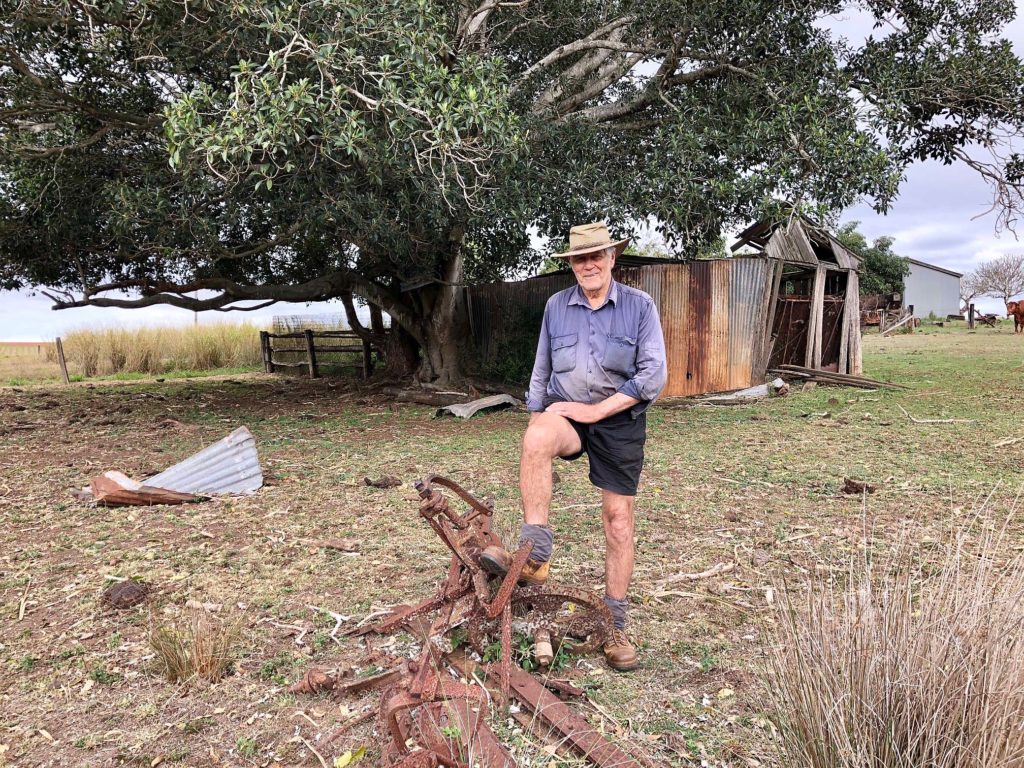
(619, 247)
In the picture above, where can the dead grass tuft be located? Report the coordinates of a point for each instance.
(908, 664)
(196, 644)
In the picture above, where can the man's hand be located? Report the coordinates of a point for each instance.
(582, 413)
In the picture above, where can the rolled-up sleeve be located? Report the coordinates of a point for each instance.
(541, 369)
(651, 367)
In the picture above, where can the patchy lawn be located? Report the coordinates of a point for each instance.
(758, 486)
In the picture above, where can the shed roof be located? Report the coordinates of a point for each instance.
(926, 265)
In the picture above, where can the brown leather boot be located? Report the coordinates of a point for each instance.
(498, 560)
(619, 652)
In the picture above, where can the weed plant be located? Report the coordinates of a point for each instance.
(196, 644)
(909, 663)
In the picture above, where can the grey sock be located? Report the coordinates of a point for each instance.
(541, 537)
(619, 609)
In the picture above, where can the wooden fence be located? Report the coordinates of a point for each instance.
(314, 343)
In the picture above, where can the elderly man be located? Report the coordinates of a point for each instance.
(600, 364)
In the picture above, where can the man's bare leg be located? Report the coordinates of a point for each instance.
(547, 437)
(618, 534)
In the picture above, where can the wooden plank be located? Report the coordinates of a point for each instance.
(768, 342)
(314, 372)
(62, 361)
(812, 354)
(856, 366)
(844, 334)
(301, 364)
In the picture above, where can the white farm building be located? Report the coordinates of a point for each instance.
(931, 289)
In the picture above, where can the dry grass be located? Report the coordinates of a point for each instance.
(907, 664)
(196, 644)
(158, 350)
(27, 361)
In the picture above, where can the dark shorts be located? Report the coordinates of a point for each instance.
(615, 447)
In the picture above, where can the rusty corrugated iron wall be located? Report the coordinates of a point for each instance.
(712, 314)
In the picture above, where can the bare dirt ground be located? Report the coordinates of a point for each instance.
(756, 486)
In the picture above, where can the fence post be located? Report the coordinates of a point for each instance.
(63, 363)
(367, 359)
(267, 352)
(970, 316)
(314, 372)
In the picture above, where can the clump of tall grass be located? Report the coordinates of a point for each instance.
(196, 644)
(156, 350)
(905, 664)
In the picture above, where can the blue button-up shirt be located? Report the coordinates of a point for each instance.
(586, 355)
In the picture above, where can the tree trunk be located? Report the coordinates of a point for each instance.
(444, 326)
(402, 356)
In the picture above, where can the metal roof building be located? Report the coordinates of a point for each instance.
(931, 290)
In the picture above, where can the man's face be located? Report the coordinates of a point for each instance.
(593, 270)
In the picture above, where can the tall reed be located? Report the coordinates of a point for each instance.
(156, 350)
(905, 664)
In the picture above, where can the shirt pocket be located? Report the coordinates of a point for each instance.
(620, 355)
(563, 353)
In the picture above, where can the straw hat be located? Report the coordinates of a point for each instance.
(587, 238)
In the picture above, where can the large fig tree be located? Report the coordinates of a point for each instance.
(399, 149)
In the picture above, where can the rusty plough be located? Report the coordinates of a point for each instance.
(432, 718)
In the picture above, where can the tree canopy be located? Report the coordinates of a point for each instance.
(881, 270)
(397, 149)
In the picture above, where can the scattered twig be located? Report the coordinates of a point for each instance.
(301, 631)
(24, 599)
(934, 421)
(339, 619)
(362, 717)
(1008, 441)
(799, 536)
(312, 749)
(715, 570)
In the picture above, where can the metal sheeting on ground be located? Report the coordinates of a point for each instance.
(466, 410)
(230, 465)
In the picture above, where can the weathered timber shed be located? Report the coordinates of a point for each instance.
(816, 296)
(726, 321)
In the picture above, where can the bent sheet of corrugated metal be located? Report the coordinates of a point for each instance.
(466, 410)
(230, 465)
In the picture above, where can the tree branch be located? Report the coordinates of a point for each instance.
(324, 287)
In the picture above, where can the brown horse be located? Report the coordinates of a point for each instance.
(1016, 309)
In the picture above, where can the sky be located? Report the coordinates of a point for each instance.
(935, 220)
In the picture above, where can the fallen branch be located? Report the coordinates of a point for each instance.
(715, 570)
(1008, 441)
(934, 421)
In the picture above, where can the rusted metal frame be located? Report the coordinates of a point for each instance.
(505, 668)
(573, 727)
(510, 581)
(479, 507)
(393, 622)
(432, 689)
(382, 680)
